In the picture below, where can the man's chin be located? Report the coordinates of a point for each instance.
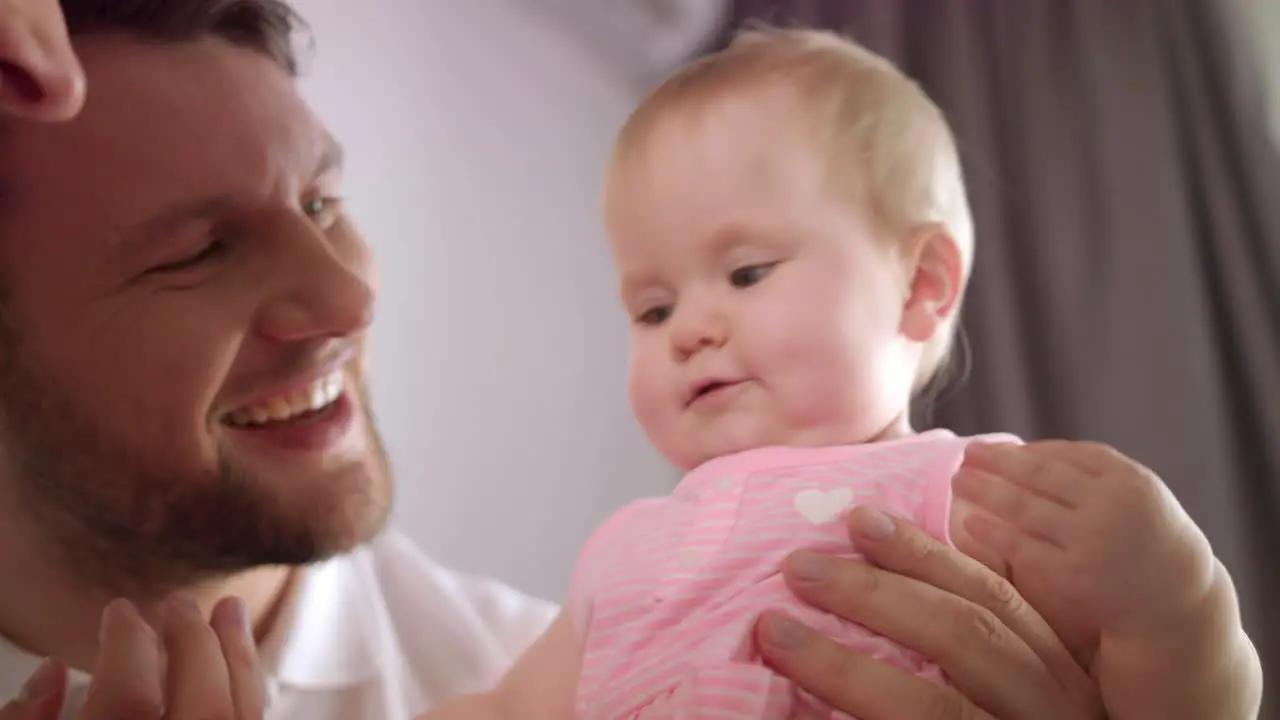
(343, 507)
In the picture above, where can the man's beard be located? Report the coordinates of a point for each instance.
(143, 524)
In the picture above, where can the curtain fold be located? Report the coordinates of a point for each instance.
(1127, 282)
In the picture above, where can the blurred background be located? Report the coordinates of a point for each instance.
(1122, 168)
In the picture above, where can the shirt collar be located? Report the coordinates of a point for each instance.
(728, 472)
(331, 630)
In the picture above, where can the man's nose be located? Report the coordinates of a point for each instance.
(324, 288)
(694, 329)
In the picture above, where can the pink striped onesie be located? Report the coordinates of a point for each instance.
(666, 593)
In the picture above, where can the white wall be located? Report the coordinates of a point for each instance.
(476, 134)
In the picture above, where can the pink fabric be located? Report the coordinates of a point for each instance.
(666, 593)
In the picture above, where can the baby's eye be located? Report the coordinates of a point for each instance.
(750, 275)
(654, 315)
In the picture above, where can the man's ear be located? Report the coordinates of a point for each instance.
(935, 282)
(40, 76)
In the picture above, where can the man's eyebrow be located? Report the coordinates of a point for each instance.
(135, 237)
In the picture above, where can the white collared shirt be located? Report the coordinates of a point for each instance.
(382, 633)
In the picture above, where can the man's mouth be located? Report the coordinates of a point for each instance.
(313, 398)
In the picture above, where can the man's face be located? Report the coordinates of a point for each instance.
(185, 308)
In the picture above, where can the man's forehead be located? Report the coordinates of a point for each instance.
(176, 95)
(170, 123)
(169, 90)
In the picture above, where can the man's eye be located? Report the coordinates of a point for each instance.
(210, 251)
(750, 275)
(654, 316)
(323, 209)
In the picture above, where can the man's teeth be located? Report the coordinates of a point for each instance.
(317, 396)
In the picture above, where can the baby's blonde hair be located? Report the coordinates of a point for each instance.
(887, 145)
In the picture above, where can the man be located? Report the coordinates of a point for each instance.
(183, 306)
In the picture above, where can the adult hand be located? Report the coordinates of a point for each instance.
(40, 77)
(1002, 658)
(190, 670)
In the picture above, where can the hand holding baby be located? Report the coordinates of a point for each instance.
(1100, 546)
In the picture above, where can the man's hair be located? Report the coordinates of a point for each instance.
(264, 26)
(887, 146)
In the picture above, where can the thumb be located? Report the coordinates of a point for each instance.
(42, 695)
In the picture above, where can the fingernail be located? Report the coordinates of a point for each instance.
(44, 683)
(784, 633)
(874, 525)
(119, 607)
(809, 566)
(240, 611)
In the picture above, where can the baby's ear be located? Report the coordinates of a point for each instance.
(935, 282)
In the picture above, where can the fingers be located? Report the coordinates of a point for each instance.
(198, 684)
(983, 656)
(1036, 471)
(906, 550)
(851, 682)
(1016, 547)
(42, 694)
(193, 671)
(128, 671)
(981, 628)
(1090, 458)
(40, 77)
(231, 623)
(1034, 514)
(1128, 482)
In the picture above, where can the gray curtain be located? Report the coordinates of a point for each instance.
(1127, 286)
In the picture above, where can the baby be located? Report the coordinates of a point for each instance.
(792, 238)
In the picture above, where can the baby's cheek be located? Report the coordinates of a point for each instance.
(653, 408)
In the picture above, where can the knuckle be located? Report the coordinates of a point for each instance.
(1000, 596)
(980, 626)
(1106, 455)
(1096, 449)
(917, 550)
(1039, 468)
(945, 706)
(1138, 488)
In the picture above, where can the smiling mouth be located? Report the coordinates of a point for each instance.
(320, 395)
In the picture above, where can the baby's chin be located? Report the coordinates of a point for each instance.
(720, 445)
(710, 445)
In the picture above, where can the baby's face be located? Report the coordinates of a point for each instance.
(764, 310)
